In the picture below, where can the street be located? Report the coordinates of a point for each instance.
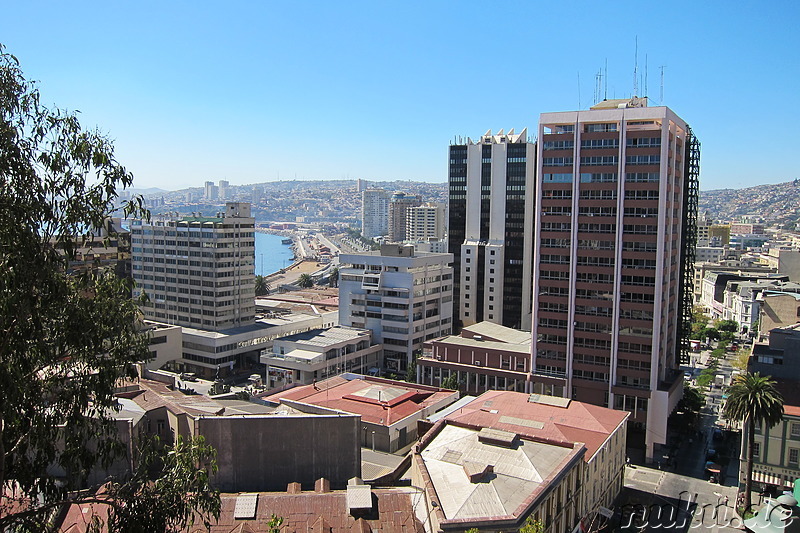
(677, 491)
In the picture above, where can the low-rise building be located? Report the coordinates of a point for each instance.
(250, 438)
(776, 453)
(389, 409)
(318, 354)
(507, 456)
(778, 309)
(212, 354)
(357, 507)
(485, 356)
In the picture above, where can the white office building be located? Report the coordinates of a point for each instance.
(197, 271)
(404, 297)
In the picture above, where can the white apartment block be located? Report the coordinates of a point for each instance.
(197, 271)
(404, 297)
(374, 213)
(425, 222)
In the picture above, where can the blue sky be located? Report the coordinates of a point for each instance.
(256, 91)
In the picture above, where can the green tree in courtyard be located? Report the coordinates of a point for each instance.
(754, 401)
(66, 340)
(305, 281)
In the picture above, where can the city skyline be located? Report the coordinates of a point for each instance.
(200, 93)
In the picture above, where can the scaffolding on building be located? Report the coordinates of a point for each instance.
(691, 196)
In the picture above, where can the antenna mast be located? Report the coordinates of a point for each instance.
(605, 89)
(645, 75)
(636, 68)
(662, 67)
(579, 90)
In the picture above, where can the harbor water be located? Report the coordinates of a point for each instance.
(271, 254)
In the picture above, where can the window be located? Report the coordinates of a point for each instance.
(793, 455)
(795, 429)
(756, 449)
(491, 252)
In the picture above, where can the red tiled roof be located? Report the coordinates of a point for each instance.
(339, 393)
(579, 422)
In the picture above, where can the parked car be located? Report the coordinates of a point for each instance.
(189, 376)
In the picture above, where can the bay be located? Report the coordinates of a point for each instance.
(271, 255)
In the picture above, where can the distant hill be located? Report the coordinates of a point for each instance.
(776, 203)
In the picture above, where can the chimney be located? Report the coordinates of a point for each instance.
(322, 485)
(294, 488)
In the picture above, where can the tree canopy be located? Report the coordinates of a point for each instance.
(305, 281)
(66, 339)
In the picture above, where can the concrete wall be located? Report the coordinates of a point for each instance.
(262, 453)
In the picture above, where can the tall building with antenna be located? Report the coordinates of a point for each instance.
(616, 198)
(490, 228)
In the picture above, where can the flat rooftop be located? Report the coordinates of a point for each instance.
(323, 338)
(378, 401)
(542, 418)
(499, 333)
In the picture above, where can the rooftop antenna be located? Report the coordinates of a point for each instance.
(605, 89)
(662, 67)
(579, 90)
(645, 75)
(636, 68)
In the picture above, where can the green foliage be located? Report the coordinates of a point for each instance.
(168, 502)
(305, 281)
(727, 335)
(742, 359)
(450, 382)
(66, 339)
(333, 277)
(693, 399)
(274, 524)
(704, 380)
(532, 526)
(728, 325)
(411, 371)
(262, 287)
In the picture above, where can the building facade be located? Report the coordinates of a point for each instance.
(197, 271)
(425, 222)
(374, 213)
(399, 206)
(403, 297)
(490, 230)
(616, 200)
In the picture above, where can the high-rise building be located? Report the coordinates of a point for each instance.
(490, 230)
(402, 296)
(374, 213)
(211, 191)
(399, 205)
(425, 222)
(197, 271)
(224, 189)
(614, 249)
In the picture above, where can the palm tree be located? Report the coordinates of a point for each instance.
(305, 281)
(753, 400)
(262, 287)
(333, 277)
